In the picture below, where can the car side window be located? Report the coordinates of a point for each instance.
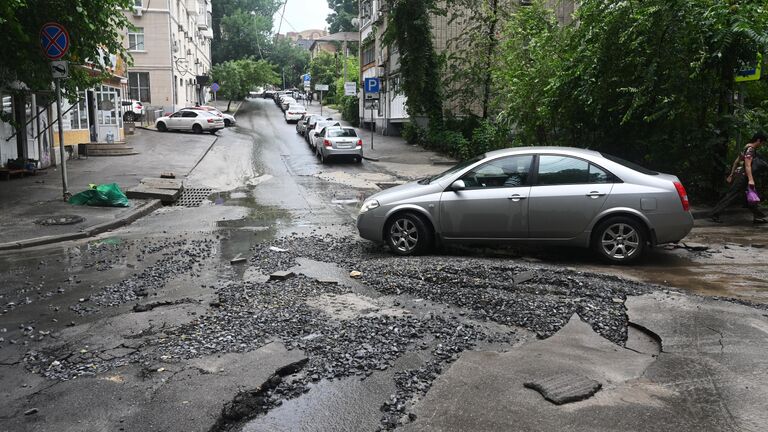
(510, 171)
(564, 170)
(189, 114)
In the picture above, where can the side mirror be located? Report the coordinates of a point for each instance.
(458, 185)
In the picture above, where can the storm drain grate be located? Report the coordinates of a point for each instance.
(193, 197)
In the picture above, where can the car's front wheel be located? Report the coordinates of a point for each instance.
(227, 123)
(162, 127)
(620, 240)
(408, 234)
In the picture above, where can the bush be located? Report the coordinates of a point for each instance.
(486, 137)
(447, 141)
(413, 134)
(350, 110)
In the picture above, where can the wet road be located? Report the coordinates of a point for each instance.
(158, 314)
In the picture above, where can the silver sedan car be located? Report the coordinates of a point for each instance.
(337, 141)
(555, 195)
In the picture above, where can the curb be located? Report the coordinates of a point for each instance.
(371, 159)
(139, 212)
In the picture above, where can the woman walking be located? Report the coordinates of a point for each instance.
(742, 177)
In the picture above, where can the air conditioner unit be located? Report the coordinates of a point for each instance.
(137, 11)
(202, 26)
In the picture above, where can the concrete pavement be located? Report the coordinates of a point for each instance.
(27, 200)
(711, 374)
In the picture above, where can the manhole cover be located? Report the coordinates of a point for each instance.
(193, 197)
(61, 220)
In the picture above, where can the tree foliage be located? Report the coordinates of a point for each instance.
(652, 81)
(292, 61)
(96, 29)
(241, 28)
(244, 34)
(238, 77)
(409, 28)
(342, 13)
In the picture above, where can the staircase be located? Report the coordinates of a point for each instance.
(118, 148)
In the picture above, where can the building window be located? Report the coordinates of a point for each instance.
(138, 86)
(369, 54)
(138, 3)
(136, 39)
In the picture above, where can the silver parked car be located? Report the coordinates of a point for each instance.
(556, 195)
(337, 141)
(313, 134)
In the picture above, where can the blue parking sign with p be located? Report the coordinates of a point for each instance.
(372, 85)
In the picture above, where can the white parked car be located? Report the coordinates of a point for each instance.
(229, 120)
(196, 121)
(314, 134)
(286, 102)
(132, 109)
(294, 113)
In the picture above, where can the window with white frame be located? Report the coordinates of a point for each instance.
(138, 86)
(136, 39)
(138, 3)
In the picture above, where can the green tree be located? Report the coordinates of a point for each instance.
(343, 11)
(96, 29)
(244, 34)
(292, 61)
(227, 33)
(409, 29)
(238, 77)
(652, 81)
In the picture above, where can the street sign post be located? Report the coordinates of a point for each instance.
(54, 40)
(321, 88)
(215, 88)
(371, 89)
(60, 69)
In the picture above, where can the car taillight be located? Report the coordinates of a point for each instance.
(211, 120)
(359, 143)
(138, 106)
(683, 196)
(290, 113)
(326, 143)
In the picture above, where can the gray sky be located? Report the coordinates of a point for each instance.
(303, 15)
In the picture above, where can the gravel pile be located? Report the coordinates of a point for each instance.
(179, 257)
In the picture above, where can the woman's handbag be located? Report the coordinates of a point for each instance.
(752, 197)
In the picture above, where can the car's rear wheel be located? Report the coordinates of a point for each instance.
(162, 127)
(129, 116)
(619, 240)
(321, 156)
(408, 234)
(196, 128)
(227, 123)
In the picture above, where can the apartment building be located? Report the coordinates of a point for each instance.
(171, 49)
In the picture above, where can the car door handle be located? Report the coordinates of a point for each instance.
(516, 197)
(595, 194)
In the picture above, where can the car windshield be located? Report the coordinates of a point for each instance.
(630, 165)
(342, 133)
(453, 170)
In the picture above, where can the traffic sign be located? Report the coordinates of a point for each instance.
(307, 77)
(321, 87)
(54, 40)
(215, 87)
(372, 85)
(751, 73)
(60, 69)
(350, 88)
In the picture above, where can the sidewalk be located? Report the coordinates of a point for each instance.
(393, 153)
(29, 204)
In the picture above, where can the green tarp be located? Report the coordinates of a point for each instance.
(105, 195)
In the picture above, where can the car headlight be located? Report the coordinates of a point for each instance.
(369, 205)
